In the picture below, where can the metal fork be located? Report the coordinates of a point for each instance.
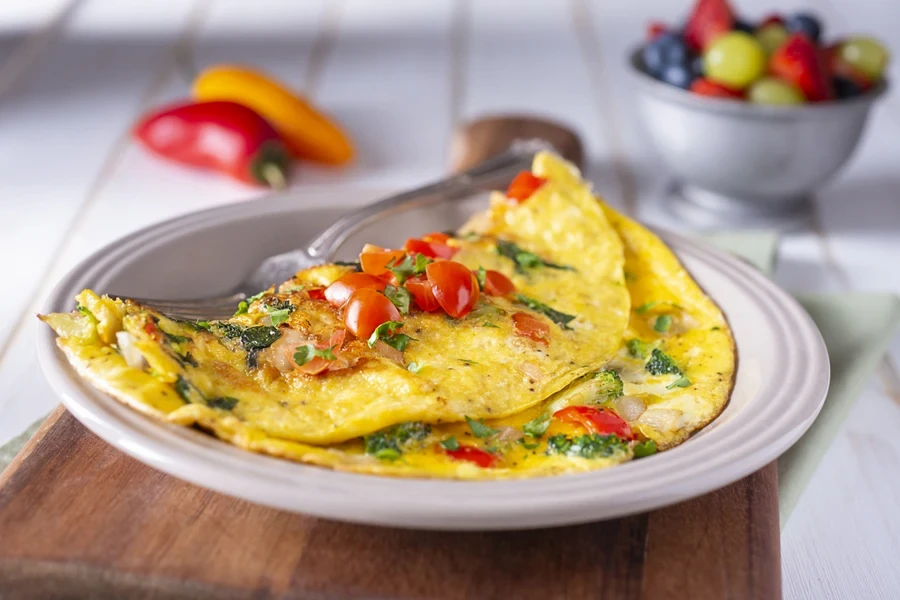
(493, 173)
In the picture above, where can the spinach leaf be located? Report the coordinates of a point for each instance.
(525, 259)
(224, 403)
(538, 426)
(560, 318)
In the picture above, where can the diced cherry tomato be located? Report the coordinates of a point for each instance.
(497, 284)
(531, 327)
(366, 310)
(523, 186)
(316, 293)
(472, 454)
(339, 292)
(655, 29)
(429, 249)
(454, 287)
(375, 260)
(596, 420)
(422, 293)
(436, 236)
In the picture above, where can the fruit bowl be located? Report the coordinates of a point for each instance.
(744, 158)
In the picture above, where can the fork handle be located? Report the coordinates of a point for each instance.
(489, 174)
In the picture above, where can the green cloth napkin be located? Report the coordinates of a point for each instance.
(857, 329)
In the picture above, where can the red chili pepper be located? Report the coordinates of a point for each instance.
(223, 136)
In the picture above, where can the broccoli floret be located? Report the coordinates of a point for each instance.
(388, 443)
(609, 385)
(592, 445)
(661, 363)
(638, 349)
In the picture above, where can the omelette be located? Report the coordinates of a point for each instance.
(549, 335)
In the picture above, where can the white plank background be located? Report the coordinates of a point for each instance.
(401, 74)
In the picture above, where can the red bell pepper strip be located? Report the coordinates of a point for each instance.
(523, 186)
(471, 454)
(222, 136)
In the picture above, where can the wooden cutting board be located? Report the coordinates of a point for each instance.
(79, 519)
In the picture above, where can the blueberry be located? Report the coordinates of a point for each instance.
(667, 49)
(846, 88)
(742, 25)
(678, 75)
(804, 23)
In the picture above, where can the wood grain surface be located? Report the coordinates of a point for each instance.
(80, 519)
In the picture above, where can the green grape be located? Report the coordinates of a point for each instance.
(735, 60)
(771, 90)
(771, 37)
(866, 55)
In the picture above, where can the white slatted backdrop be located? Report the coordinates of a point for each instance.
(400, 74)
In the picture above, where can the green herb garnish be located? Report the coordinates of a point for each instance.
(450, 443)
(681, 382)
(225, 402)
(409, 267)
(244, 305)
(399, 297)
(662, 323)
(638, 349)
(481, 276)
(645, 448)
(175, 339)
(537, 426)
(306, 353)
(388, 443)
(560, 318)
(279, 312)
(528, 445)
(591, 445)
(479, 429)
(385, 333)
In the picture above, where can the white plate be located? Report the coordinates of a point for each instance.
(782, 379)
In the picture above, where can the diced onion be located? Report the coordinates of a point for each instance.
(661, 419)
(389, 352)
(629, 407)
(507, 435)
(531, 370)
(281, 354)
(130, 353)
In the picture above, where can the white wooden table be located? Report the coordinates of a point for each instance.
(401, 74)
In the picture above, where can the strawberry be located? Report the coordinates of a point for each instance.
(709, 20)
(769, 19)
(799, 61)
(705, 87)
(840, 68)
(655, 29)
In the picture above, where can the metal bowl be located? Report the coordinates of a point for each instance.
(747, 158)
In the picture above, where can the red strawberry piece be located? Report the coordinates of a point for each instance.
(655, 29)
(799, 61)
(769, 19)
(709, 20)
(840, 68)
(705, 87)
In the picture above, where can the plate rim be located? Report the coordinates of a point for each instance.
(566, 499)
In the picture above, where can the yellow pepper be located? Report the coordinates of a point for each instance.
(308, 133)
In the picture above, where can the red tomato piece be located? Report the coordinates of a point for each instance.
(472, 454)
(523, 186)
(316, 293)
(454, 287)
(339, 292)
(422, 293)
(497, 284)
(596, 420)
(655, 29)
(366, 310)
(705, 87)
(531, 327)
(375, 260)
(709, 20)
(429, 249)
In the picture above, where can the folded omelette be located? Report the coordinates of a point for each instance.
(549, 335)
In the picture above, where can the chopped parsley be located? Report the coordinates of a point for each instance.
(279, 311)
(385, 333)
(528, 445)
(661, 363)
(662, 323)
(638, 349)
(175, 339)
(537, 426)
(188, 359)
(399, 297)
(409, 267)
(681, 382)
(244, 305)
(387, 444)
(450, 443)
(479, 429)
(610, 385)
(592, 445)
(306, 353)
(481, 276)
(645, 448)
(560, 318)
(225, 402)
(525, 259)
